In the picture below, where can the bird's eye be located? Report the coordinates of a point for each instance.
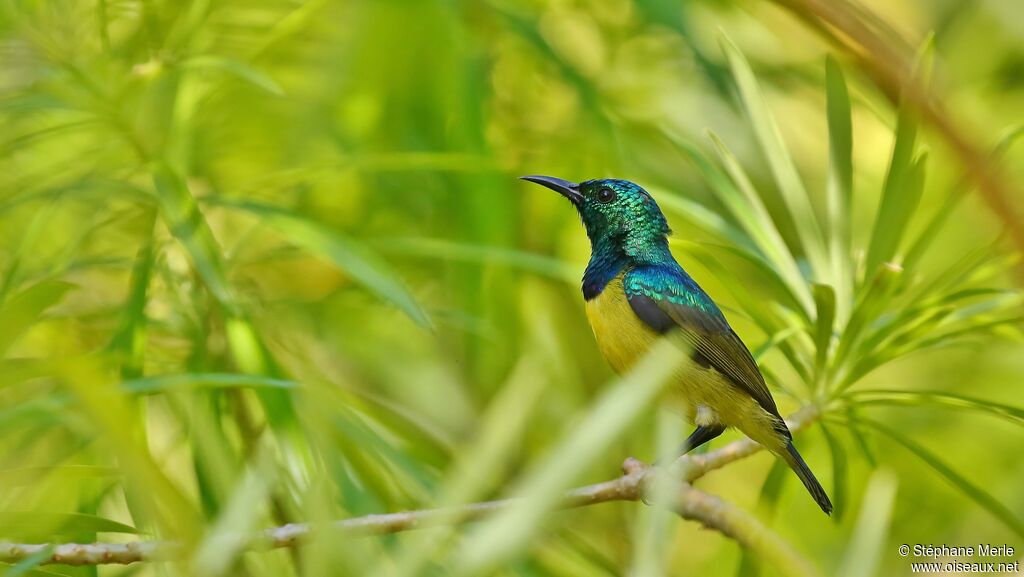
(605, 195)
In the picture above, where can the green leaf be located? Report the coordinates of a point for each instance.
(872, 530)
(958, 481)
(742, 266)
(894, 341)
(825, 304)
(100, 404)
(34, 524)
(957, 193)
(771, 489)
(27, 244)
(873, 299)
(992, 268)
(786, 176)
(746, 205)
(899, 203)
(188, 381)
(978, 327)
(30, 475)
(779, 336)
(23, 310)
(482, 463)
(925, 303)
(293, 23)
(937, 399)
(774, 381)
(129, 341)
(954, 276)
(238, 69)
(21, 141)
(701, 217)
(353, 430)
(352, 257)
(500, 537)
(188, 225)
(221, 543)
(840, 473)
(19, 370)
(56, 402)
(461, 252)
(677, 17)
(840, 184)
(899, 197)
(767, 503)
(859, 437)
(528, 30)
(654, 527)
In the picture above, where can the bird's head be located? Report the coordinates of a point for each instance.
(618, 214)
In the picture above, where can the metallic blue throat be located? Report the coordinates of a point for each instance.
(609, 258)
(602, 268)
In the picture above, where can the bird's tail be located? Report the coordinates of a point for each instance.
(796, 462)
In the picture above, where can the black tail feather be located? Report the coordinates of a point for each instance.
(796, 462)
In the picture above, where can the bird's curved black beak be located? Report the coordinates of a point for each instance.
(568, 189)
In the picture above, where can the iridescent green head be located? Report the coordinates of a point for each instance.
(618, 214)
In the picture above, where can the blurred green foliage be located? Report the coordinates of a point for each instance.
(268, 261)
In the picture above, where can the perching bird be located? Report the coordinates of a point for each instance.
(635, 291)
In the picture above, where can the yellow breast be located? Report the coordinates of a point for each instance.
(621, 336)
(703, 394)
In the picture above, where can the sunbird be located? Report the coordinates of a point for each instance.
(636, 292)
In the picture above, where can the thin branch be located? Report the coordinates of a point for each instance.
(688, 502)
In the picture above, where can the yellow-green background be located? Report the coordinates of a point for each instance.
(323, 195)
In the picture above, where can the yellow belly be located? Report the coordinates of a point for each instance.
(621, 336)
(702, 394)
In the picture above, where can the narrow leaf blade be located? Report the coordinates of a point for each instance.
(840, 183)
(786, 176)
(237, 69)
(363, 266)
(23, 310)
(958, 481)
(869, 536)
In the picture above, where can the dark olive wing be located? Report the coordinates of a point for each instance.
(705, 329)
